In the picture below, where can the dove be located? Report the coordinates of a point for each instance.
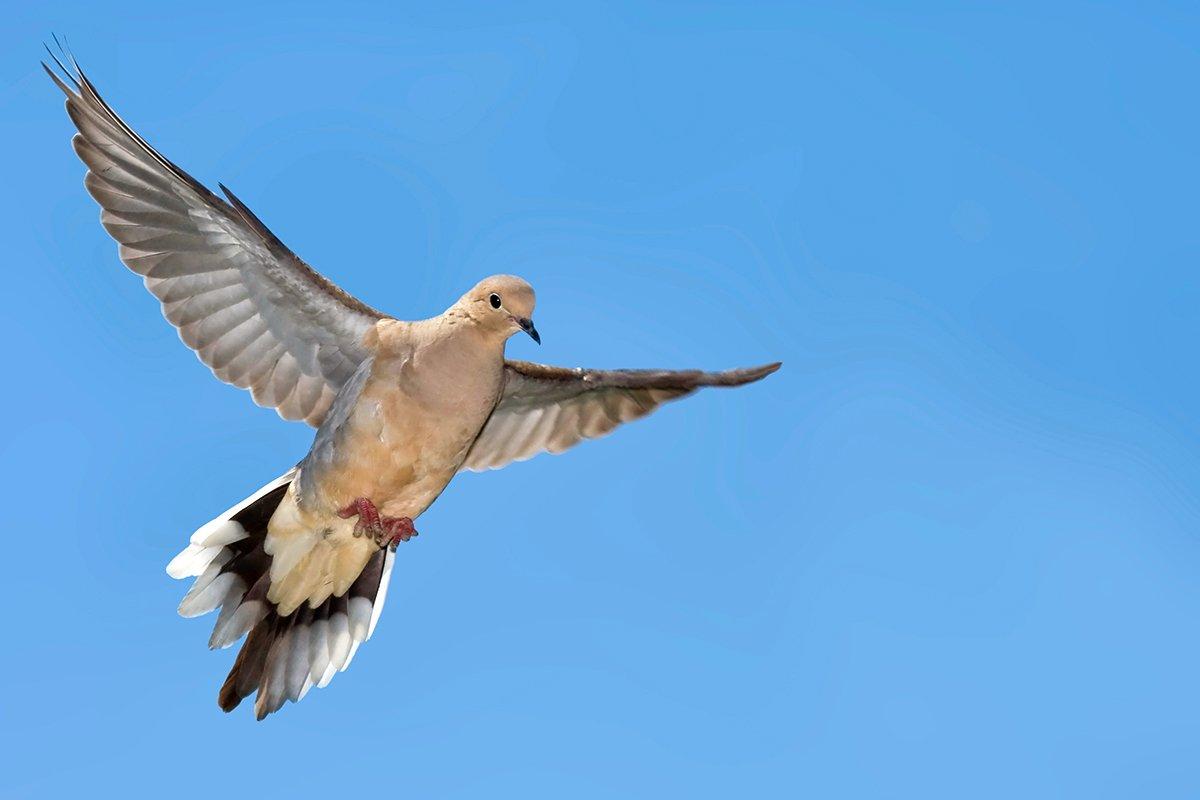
(300, 568)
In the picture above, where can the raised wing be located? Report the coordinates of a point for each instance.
(548, 409)
(256, 314)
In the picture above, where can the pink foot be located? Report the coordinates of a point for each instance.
(386, 531)
(365, 510)
(398, 529)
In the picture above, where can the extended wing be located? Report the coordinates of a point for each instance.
(548, 409)
(256, 314)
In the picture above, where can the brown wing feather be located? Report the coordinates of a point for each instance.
(549, 409)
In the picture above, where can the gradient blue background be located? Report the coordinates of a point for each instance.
(950, 550)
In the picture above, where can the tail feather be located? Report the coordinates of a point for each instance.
(216, 536)
(283, 656)
(247, 670)
(240, 615)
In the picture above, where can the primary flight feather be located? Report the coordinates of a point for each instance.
(301, 567)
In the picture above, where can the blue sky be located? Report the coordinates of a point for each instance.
(949, 550)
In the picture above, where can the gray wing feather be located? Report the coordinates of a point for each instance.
(258, 316)
(549, 409)
(325, 450)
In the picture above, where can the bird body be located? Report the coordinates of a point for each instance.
(397, 432)
(430, 390)
(301, 567)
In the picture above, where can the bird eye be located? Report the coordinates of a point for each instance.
(494, 300)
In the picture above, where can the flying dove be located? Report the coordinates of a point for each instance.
(301, 567)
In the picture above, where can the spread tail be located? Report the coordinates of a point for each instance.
(283, 656)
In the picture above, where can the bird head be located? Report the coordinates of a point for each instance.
(503, 305)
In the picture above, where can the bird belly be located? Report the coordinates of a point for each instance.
(399, 453)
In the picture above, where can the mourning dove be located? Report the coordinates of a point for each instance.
(400, 408)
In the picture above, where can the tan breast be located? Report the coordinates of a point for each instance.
(417, 416)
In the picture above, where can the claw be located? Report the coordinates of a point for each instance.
(367, 513)
(397, 530)
(386, 531)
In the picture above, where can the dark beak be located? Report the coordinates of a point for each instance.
(527, 326)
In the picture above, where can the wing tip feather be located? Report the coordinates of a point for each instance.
(740, 377)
